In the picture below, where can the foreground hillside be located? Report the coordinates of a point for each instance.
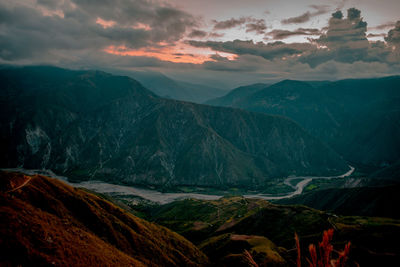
(93, 125)
(44, 222)
(358, 117)
(227, 227)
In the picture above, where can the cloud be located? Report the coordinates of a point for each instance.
(230, 23)
(197, 34)
(216, 35)
(376, 35)
(278, 34)
(252, 25)
(343, 41)
(53, 29)
(256, 25)
(383, 26)
(149, 34)
(319, 10)
(349, 32)
(393, 36)
(52, 4)
(267, 51)
(346, 41)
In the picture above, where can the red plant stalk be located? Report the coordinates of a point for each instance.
(343, 256)
(313, 253)
(326, 248)
(296, 237)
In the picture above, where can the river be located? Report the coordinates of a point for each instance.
(163, 198)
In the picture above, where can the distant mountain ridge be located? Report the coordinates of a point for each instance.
(236, 95)
(93, 125)
(357, 117)
(169, 88)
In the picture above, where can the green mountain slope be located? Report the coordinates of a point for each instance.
(362, 201)
(359, 118)
(93, 125)
(234, 96)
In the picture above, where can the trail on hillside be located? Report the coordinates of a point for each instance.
(28, 179)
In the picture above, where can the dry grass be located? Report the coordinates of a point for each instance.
(249, 259)
(50, 223)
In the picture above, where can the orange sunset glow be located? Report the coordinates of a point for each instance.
(177, 54)
(105, 23)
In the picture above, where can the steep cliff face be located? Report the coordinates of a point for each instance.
(92, 125)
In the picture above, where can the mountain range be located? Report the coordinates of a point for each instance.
(93, 125)
(359, 118)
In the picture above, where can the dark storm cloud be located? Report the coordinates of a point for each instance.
(27, 32)
(267, 51)
(230, 23)
(278, 34)
(319, 10)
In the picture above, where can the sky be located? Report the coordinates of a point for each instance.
(224, 43)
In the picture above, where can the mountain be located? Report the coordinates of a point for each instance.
(358, 118)
(389, 175)
(93, 125)
(170, 88)
(225, 228)
(234, 96)
(45, 222)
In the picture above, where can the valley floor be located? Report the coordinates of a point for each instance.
(163, 198)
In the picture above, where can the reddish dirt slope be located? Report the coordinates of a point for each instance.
(44, 222)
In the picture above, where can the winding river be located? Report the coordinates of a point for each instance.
(163, 198)
(299, 187)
